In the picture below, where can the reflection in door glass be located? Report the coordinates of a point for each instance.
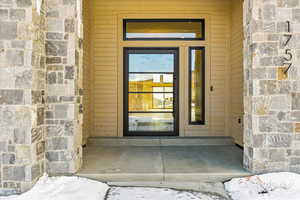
(151, 63)
(146, 82)
(163, 99)
(197, 90)
(179, 29)
(150, 91)
(151, 122)
(150, 102)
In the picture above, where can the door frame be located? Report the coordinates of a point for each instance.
(185, 129)
(175, 51)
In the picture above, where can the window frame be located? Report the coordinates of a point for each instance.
(201, 20)
(140, 50)
(190, 85)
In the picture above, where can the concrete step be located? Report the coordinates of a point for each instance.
(201, 163)
(159, 141)
(156, 179)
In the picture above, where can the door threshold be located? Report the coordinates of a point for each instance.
(159, 141)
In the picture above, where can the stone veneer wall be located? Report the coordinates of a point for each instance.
(272, 99)
(63, 118)
(22, 82)
(40, 91)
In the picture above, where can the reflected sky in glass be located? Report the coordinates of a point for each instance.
(194, 54)
(151, 63)
(161, 35)
(193, 59)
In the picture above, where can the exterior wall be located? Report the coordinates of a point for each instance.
(63, 119)
(236, 72)
(22, 82)
(40, 91)
(272, 99)
(106, 58)
(87, 83)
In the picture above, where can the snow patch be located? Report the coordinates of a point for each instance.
(63, 188)
(272, 186)
(145, 193)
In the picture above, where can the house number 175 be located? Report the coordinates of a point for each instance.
(288, 52)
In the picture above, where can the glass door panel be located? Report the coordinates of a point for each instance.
(155, 62)
(150, 122)
(197, 85)
(144, 82)
(150, 101)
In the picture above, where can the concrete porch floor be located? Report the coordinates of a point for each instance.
(158, 160)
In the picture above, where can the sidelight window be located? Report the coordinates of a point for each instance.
(197, 85)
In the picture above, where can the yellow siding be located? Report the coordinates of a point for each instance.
(219, 69)
(236, 75)
(86, 75)
(104, 115)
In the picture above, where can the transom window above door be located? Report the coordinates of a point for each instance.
(163, 29)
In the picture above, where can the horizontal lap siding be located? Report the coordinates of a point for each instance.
(219, 58)
(87, 83)
(236, 73)
(104, 47)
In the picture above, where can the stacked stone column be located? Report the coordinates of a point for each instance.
(40, 91)
(22, 82)
(271, 96)
(63, 92)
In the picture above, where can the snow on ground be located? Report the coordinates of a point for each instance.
(76, 188)
(63, 188)
(144, 193)
(273, 186)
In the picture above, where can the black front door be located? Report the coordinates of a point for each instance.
(151, 91)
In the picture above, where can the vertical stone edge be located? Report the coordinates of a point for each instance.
(63, 117)
(22, 83)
